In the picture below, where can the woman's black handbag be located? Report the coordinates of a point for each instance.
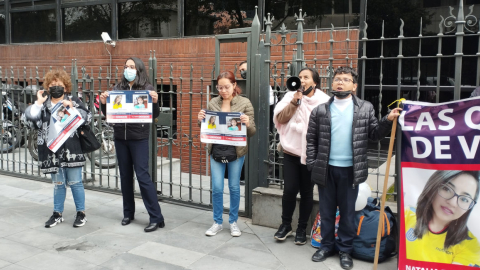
(88, 141)
(224, 153)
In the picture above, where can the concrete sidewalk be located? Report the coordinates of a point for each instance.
(103, 243)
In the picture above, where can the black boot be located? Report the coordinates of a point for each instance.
(346, 261)
(300, 236)
(283, 232)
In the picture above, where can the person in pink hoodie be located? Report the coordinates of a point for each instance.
(291, 121)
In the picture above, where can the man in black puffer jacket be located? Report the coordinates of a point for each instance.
(337, 141)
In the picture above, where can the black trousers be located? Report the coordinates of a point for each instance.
(338, 191)
(297, 178)
(133, 156)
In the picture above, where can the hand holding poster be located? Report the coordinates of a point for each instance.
(63, 123)
(223, 128)
(129, 107)
(440, 185)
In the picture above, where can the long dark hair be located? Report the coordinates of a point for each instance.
(457, 230)
(315, 76)
(141, 80)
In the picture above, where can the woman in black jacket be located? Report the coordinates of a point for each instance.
(131, 144)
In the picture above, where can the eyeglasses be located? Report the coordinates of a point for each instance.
(464, 202)
(224, 88)
(344, 80)
(130, 67)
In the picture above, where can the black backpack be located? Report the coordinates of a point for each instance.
(366, 222)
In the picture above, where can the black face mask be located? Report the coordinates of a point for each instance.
(306, 92)
(243, 74)
(56, 91)
(341, 94)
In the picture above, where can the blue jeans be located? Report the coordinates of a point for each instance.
(73, 178)
(218, 173)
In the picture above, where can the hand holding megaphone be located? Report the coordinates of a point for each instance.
(294, 84)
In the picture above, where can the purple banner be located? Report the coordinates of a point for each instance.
(446, 133)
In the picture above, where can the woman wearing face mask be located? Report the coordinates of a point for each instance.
(436, 230)
(131, 144)
(65, 165)
(291, 120)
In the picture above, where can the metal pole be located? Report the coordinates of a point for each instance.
(8, 24)
(59, 22)
(300, 18)
(439, 60)
(460, 23)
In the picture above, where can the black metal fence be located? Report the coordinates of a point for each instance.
(430, 68)
(178, 161)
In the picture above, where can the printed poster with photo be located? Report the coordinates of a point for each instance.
(223, 128)
(440, 166)
(129, 107)
(63, 123)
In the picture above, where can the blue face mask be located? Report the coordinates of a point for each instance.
(130, 74)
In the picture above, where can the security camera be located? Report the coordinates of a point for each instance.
(107, 40)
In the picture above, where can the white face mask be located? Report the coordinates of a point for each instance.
(130, 74)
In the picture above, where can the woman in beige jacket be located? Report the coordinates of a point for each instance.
(229, 100)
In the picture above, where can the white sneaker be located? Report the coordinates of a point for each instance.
(214, 229)
(234, 230)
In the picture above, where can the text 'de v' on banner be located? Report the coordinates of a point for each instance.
(440, 166)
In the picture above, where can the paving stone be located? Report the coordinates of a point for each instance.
(12, 192)
(196, 229)
(114, 241)
(13, 252)
(106, 211)
(261, 231)
(85, 251)
(167, 254)
(295, 256)
(212, 262)
(180, 212)
(4, 263)
(131, 261)
(248, 241)
(7, 229)
(22, 219)
(36, 210)
(39, 238)
(245, 255)
(49, 260)
(200, 243)
(333, 263)
(15, 267)
(104, 244)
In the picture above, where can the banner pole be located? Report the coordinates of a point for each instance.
(381, 223)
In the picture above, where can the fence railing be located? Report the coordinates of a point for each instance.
(427, 68)
(395, 67)
(178, 161)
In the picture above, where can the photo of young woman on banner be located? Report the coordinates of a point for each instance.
(440, 185)
(437, 220)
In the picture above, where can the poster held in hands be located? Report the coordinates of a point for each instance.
(223, 128)
(63, 123)
(129, 107)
